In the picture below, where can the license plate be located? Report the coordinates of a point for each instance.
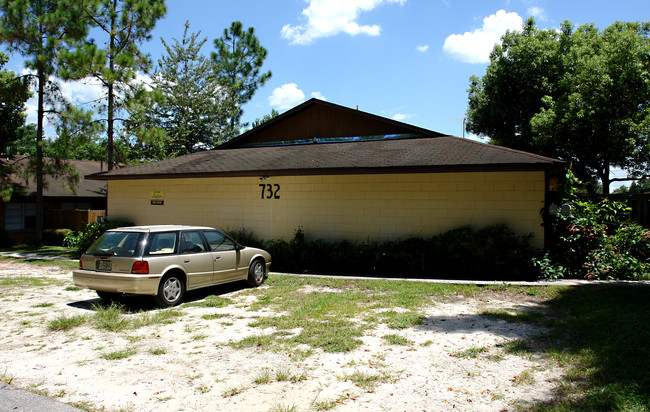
(104, 265)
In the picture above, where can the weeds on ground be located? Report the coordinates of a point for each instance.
(396, 340)
(119, 354)
(65, 322)
(368, 381)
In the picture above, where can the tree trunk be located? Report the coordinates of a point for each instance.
(39, 158)
(604, 178)
(111, 92)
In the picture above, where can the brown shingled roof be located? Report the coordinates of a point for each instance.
(429, 154)
(54, 186)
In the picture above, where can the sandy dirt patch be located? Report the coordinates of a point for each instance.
(454, 360)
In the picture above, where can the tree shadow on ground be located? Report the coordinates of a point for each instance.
(601, 333)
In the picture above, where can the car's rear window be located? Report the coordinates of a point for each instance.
(116, 244)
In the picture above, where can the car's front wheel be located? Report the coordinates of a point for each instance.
(256, 273)
(170, 291)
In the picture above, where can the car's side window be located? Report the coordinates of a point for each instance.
(218, 241)
(163, 243)
(192, 242)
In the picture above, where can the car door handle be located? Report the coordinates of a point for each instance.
(187, 261)
(217, 258)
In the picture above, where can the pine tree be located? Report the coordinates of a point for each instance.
(124, 25)
(39, 30)
(237, 63)
(191, 112)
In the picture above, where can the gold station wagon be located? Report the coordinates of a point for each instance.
(165, 261)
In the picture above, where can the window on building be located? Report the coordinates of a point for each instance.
(20, 216)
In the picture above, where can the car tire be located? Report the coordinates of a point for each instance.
(108, 296)
(256, 273)
(170, 291)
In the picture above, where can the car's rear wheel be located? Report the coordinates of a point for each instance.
(256, 273)
(170, 291)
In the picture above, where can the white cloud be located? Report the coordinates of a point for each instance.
(88, 90)
(286, 96)
(401, 117)
(85, 92)
(475, 46)
(330, 17)
(423, 48)
(318, 95)
(538, 13)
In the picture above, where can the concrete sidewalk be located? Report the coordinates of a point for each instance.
(14, 399)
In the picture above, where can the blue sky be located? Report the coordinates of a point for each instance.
(409, 60)
(404, 59)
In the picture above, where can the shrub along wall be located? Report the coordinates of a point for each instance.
(491, 253)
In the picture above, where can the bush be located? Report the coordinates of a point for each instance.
(494, 252)
(82, 240)
(55, 237)
(597, 241)
(623, 255)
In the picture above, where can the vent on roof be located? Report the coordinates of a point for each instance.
(336, 140)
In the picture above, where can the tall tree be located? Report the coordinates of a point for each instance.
(14, 92)
(124, 25)
(191, 112)
(39, 30)
(237, 64)
(580, 95)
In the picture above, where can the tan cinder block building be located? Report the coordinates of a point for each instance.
(338, 173)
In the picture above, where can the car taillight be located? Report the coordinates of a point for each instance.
(81, 264)
(140, 268)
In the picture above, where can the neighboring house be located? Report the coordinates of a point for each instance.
(62, 208)
(338, 173)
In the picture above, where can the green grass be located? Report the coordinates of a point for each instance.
(44, 250)
(368, 381)
(64, 322)
(601, 333)
(471, 353)
(110, 318)
(119, 354)
(63, 264)
(211, 302)
(336, 318)
(160, 317)
(29, 281)
(335, 321)
(157, 351)
(394, 339)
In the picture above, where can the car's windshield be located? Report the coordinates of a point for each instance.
(116, 244)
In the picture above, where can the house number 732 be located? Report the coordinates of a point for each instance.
(270, 191)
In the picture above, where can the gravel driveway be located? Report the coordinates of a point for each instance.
(454, 360)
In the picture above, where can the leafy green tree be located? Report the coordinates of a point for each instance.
(40, 30)
(14, 92)
(123, 25)
(579, 95)
(258, 122)
(237, 64)
(191, 111)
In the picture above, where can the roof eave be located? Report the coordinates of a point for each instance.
(509, 167)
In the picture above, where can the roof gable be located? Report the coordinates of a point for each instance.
(318, 119)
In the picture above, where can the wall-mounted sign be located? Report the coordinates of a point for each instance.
(157, 197)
